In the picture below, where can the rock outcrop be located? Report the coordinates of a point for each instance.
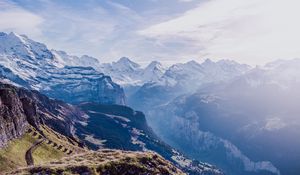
(20, 108)
(13, 122)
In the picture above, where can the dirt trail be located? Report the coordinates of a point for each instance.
(28, 155)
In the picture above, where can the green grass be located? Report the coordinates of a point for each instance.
(13, 155)
(61, 140)
(107, 162)
(45, 153)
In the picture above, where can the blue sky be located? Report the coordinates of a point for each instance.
(253, 32)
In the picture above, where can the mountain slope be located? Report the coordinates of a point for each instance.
(253, 117)
(202, 127)
(63, 129)
(108, 162)
(120, 127)
(33, 116)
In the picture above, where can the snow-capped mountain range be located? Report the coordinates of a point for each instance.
(128, 73)
(31, 64)
(155, 83)
(28, 60)
(124, 71)
(155, 88)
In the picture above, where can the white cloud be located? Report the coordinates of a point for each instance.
(253, 31)
(14, 18)
(274, 124)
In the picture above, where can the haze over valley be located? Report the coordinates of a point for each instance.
(199, 87)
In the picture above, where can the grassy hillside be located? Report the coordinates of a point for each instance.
(54, 147)
(13, 155)
(107, 162)
(50, 157)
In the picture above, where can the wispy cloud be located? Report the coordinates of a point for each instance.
(253, 31)
(104, 29)
(17, 19)
(249, 31)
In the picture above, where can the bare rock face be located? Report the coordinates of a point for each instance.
(13, 122)
(30, 110)
(81, 84)
(20, 108)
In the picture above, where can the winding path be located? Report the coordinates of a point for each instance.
(28, 154)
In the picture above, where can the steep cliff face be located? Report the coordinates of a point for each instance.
(13, 122)
(81, 84)
(20, 108)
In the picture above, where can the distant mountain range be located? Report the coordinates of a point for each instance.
(235, 123)
(186, 97)
(222, 112)
(95, 118)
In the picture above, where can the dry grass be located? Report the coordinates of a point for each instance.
(107, 162)
(13, 155)
(45, 153)
(61, 140)
(52, 157)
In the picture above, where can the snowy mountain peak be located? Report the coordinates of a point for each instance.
(153, 72)
(22, 38)
(155, 65)
(208, 62)
(126, 62)
(31, 64)
(63, 59)
(13, 34)
(60, 52)
(88, 60)
(12, 40)
(192, 62)
(23, 47)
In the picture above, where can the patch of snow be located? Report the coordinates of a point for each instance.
(98, 142)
